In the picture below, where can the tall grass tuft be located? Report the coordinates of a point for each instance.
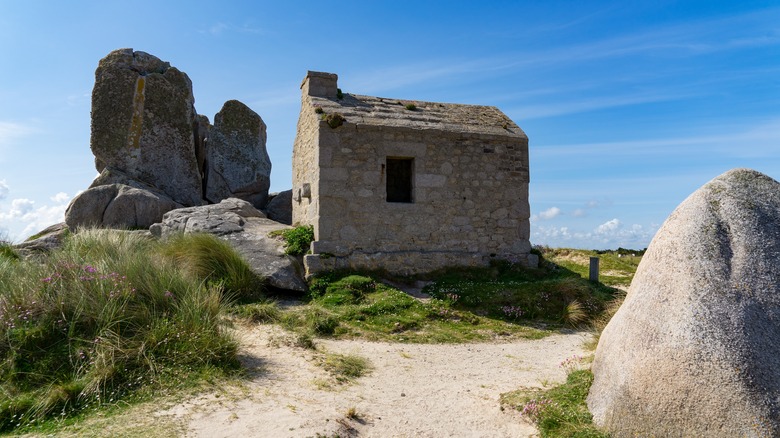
(215, 262)
(107, 313)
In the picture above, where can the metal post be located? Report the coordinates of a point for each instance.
(594, 269)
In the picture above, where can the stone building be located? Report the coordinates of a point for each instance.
(407, 186)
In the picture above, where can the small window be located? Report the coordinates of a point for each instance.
(399, 179)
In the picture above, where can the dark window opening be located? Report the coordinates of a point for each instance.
(399, 179)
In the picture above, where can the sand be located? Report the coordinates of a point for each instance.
(413, 390)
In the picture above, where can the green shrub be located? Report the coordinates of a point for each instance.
(411, 107)
(298, 240)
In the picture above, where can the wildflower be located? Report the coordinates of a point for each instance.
(90, 269)
(534, 408)
(169, 294)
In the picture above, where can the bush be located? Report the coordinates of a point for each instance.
(298, 240)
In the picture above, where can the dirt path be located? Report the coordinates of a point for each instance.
(412, 391)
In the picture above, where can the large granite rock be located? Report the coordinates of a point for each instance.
(117, 206)
(695, 348)
(279, 208)
(247, 230)
(237, 161)
(144, 123)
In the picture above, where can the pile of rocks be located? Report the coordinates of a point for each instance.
(155, 153)
(164, 167)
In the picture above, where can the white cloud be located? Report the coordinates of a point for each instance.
(608, 226)
(60, 198)
(550, 213)
(24, 214)
(19, 208)
(4, 189)
(579, 213)
(609, 235)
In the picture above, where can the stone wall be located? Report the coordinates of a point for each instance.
(306, 172)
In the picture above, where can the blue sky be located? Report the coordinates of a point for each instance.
(629, 106)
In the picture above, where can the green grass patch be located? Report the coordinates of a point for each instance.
(616, 268)
(345, 368)
(108, 315)
(467, 305)
(560, 411)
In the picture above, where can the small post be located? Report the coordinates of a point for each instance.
(594, 269)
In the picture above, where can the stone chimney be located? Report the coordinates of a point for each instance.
(320, 84)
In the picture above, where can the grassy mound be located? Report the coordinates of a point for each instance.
(111, 312)
(502, 301)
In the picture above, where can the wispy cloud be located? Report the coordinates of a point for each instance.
(220, 28)
(589, 104)
(762, 139)
(4, 189)
(10, 131)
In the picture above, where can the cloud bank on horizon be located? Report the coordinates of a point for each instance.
(629, 107)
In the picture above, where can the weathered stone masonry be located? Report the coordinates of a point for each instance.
(459, 171)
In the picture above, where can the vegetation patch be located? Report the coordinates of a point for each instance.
(515, 294)
(616, 268)
(560, 411)
(297, 240)
(345, 368)
(503, 301)
(109, 315)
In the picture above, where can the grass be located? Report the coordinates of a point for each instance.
(560, 411)
(616, 268)
(479, 304)
(113, 314)
(345, 368)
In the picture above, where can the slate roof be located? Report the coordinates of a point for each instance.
(380, 111)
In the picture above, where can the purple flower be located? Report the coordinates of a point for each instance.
(169, 294)
(90, 269)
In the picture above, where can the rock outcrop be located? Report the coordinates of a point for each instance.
(48, 239)
(247, 230)
(117, 206)
(155, 153)
(279, 208)
(695, 348)
(237, 161)
(144, 123)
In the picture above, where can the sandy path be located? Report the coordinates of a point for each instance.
(413, 390)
